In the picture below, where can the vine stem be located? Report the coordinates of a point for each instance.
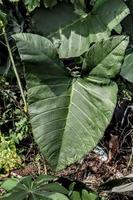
(15, 71)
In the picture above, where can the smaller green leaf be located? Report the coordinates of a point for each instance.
(35, 49)
(127, 68)
(84, 195)
(9, 184)
(105, 57)
(75, 196)
(58, 196)
(43, 195)
(44, 178)
(88, 195)
(19, 192)
(27, 181)
(54, 187)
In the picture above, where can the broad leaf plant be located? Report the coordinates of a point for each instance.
(68, 113)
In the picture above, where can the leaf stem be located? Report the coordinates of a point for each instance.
(15, 71)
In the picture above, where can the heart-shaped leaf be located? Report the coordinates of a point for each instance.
(68, 115)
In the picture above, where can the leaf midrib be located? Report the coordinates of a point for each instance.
(71, 95)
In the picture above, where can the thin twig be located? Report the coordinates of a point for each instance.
(15, 71)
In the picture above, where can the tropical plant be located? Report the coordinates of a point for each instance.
(64, 110)
(70, 73)
(70, 111)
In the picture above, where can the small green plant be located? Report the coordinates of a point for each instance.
(26, 189)
(44, 188)
(20, 130)
(9, 158)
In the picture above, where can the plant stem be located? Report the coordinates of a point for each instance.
(15, 71)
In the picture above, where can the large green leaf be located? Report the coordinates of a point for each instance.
(127, 68)
(110, 12)
(68, 116)
(49, 21)
(71, 34)
(104, 58)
